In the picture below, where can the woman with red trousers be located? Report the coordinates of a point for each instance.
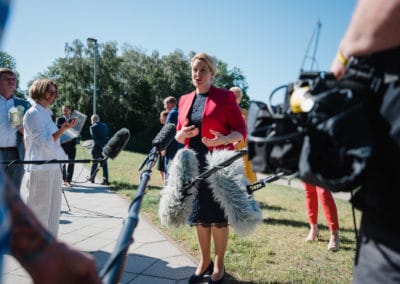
(313, 193)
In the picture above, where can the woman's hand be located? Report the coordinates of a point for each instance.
(218, 139)
(69, 124)
(186, 132)
(66, 125)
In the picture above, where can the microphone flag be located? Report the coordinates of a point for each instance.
(229, 189)
(175, 206)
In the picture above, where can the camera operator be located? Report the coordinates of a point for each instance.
(373, 39)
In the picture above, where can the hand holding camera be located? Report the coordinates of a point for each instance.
(70, 122)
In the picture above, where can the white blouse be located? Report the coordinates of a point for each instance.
(39, 141)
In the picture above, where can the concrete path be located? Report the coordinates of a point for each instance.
(94, 224)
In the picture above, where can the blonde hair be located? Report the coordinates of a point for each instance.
(40, 87)
(238, 92)
(208, 59)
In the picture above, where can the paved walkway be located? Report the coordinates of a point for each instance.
(94, 223)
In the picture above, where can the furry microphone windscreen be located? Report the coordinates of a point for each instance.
(116, 144)
(164, 137)
(229, 189)
(174, 206)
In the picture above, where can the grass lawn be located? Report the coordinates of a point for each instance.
(276, 252)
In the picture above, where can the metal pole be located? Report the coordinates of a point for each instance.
(95, 78)
(94, 41)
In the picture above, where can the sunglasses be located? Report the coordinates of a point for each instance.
(52, 93)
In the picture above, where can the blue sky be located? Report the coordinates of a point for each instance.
(266, 39)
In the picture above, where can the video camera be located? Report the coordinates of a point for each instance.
(317, 127)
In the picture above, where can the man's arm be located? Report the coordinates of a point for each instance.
(374, 27)
(44, 258)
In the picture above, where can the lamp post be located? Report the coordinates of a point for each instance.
(94, 41)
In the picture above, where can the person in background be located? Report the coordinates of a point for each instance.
(42, 182)
(12, 110)
(251, 176)
(100, 135)
(170, 106)
(68, 146)
(372, 39)
(161, 158)
(209, 118)
(328, 205)
(42, 255)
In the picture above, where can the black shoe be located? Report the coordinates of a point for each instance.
(105, 183)
(198, 278)
(210, 281)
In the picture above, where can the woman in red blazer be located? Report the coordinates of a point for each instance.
(209, 118)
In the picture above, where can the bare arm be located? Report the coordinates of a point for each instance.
(44, 258)
(374, 26)
(187, 131)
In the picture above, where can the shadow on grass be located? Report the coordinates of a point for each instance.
(298, 224)
(230, 279)
(286, 222)
(265, 206)
(346, 243)
(116, 186)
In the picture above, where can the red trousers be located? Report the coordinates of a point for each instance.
(328, 205)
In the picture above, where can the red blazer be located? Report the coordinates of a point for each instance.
(221, 113)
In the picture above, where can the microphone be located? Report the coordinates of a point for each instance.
(175, 203)
(116, 144)
(164, 137)
(160, 142)
(229, 190)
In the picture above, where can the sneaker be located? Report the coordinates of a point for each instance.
(105, 183)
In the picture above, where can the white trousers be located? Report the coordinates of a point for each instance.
(44, 196)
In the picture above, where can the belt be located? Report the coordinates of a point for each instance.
(8, 149)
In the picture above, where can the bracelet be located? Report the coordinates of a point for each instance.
(342, 59)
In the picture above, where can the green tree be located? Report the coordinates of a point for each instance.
(131, 86)
(226, 78)
(6, 60)
(138, 100)
(176, 68)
